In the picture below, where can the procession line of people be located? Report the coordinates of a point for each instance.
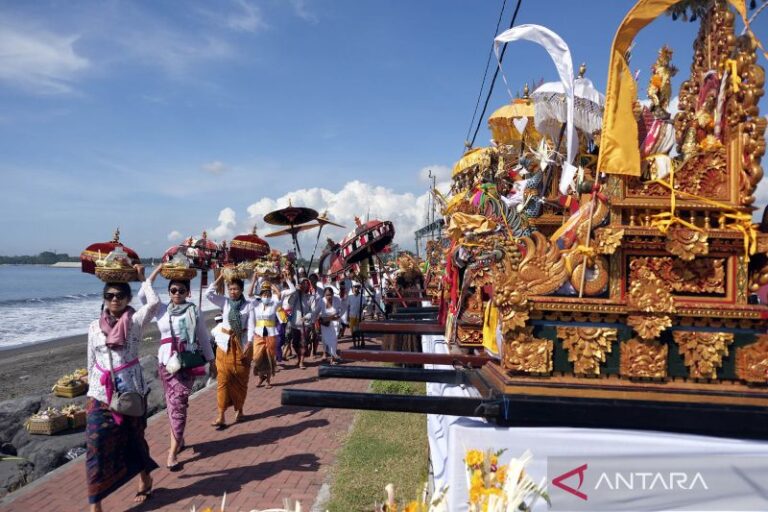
(255, 334)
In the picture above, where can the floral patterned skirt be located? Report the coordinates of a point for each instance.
(114, 453)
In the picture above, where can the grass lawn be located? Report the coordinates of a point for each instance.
(382, 448)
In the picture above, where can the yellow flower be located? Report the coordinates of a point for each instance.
(477, 478)
(494, 460)
(501, 474)
(474, 458)
(475, 492)
(412, 507)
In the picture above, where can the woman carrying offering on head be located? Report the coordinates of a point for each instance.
(233, 359)
(181, 330)
(263, 323)
(328, 312)
(116, 450)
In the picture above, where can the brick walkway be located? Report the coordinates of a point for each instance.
(278, 452)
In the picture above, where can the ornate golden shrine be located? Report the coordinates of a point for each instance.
(642, 289)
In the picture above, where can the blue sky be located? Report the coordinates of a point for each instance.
(167, 118)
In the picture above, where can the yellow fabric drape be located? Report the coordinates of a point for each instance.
(490, 322)
(619, 151)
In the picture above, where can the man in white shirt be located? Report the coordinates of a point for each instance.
(355, 311)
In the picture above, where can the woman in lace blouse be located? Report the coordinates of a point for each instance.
(115, 444)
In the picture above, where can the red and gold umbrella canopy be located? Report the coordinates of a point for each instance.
(101, 250)
(247, 247)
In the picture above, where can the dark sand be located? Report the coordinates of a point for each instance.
(34, 369)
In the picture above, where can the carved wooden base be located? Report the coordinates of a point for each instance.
(752, 362)
(587, 347)
(703, 352)
(643, 359)
(527, 354)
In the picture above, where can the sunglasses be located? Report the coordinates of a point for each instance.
(179, 291)
(119, 296)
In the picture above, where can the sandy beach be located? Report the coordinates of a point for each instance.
(34, 368)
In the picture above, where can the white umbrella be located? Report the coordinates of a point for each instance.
(550, 104)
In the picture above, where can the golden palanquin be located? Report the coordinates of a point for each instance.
(627, 287)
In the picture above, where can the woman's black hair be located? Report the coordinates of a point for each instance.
(238, 282)
(185, 283)
(329, 288)
(124, 288)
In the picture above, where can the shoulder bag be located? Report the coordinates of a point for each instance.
(130, 403)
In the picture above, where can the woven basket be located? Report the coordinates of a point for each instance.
(178, 273)
(117, 275)
(77, 419)
(231, 273)
(77, 389)
(47, 426)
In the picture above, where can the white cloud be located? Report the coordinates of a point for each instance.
(301, 10)
(248, 18)
(406, 211)
(215, 167)
(227, 222)
(39, 62)
(173, 51)
(175, 236)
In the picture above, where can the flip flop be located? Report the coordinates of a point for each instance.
(268, 386)
(219, 425)
(146, 493)
(173, 467)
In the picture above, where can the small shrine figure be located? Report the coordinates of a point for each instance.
(660, 86)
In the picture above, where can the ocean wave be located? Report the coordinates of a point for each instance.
(48, 300)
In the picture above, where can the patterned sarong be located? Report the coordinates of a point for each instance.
(177, 388)
(114, 453)
(233, 367)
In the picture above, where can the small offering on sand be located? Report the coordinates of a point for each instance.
(48, 422)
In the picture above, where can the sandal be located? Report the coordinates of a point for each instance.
(146, 494)
(219, 425)
(268, 386)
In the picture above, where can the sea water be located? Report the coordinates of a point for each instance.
(39, 303)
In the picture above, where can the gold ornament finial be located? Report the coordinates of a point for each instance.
(582, 70)
(467, 145)
(116, 236)
(253, 231)
(205, 234)
(526, 90)
(290, 203)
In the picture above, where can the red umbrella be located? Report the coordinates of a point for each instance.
(100, 250)
(366, 240)
(247, 247)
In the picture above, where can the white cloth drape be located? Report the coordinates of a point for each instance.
(561, 56)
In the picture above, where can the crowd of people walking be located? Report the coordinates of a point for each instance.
(256, 332)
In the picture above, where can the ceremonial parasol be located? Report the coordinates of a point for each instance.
(293, 230)
(291, 216)
(550, 106)
(113, 255)
(514, 122)
(247, 247)
(366, 241)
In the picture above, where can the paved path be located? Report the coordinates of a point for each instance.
(278, 452)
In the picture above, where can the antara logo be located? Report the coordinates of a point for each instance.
(648, 481)
(558, 482)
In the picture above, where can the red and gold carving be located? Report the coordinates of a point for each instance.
(587, 347)
(469, 335)
(647, 292)
(643, 359)
(649, 327)
(703, 352)
(523, 353)
(752, 361)
(686, 243)
(702, 275)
